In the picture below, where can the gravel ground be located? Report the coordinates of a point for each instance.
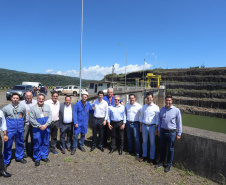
(93, 168)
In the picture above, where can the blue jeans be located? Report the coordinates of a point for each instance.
(167, 137)
(132, 131)
(148, 131)
(75, 141)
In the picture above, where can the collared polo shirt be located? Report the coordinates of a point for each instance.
(28, 107)
(2, 122)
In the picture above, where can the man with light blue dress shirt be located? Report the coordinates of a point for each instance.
(116, 123)
(4, 129)
(99, 120)
(28, 129)
(132, 110)
(170, 129)
(149, 121)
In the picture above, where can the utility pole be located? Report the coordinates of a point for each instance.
(80, 71)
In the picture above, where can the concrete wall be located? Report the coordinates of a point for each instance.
(200, 151)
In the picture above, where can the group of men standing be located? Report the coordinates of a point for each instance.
(41, 119)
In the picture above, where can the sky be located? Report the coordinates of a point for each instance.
(43, 36)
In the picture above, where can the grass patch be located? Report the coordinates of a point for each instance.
(67, 159)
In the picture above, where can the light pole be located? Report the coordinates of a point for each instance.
(80, 71)
(126, 63)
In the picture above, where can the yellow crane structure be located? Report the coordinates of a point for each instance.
(150, 76)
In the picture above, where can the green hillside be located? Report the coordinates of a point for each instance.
(9, 78)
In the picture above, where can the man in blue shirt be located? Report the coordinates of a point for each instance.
(81, 117)
(169, 130)
(116, 123)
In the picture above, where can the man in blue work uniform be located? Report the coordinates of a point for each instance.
(15, 114)
(81, 117)
(40, 119)
(116, 123)
(169, 130)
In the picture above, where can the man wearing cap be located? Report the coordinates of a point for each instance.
(99, 120)
(55, 108)
(170, 129)
(81, 117)
(116, 123)
(4, 129)
(15, 114)
(40, 119)
(28, 103)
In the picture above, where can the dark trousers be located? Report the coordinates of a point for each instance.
(117, 134)
(98, 127)
(53, 133)
(28, 130)
(1, 156)
(167, 137)
(66, 129)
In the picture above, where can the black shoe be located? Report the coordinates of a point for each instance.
(143, 159)
(138, 157)
(101, 149)
(92, 148)
(82, 149)
(120, 152)
(5, 174)
(73, 152)
(37, 163)
(25, 155)
(167, 169)
(112, 150)
(159, 165)
(46, 160)
(153, 162)
(69, 149)
(129, 153)
(54, 152)
(23, 161)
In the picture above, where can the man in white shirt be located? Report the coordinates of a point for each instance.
(133, 110)
(149, 121)
(99, 120)
(55, 108)
(66, 123)
(3, 128)
(28, 103)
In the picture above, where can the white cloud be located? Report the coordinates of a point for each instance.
(97, 72)
(49, 70)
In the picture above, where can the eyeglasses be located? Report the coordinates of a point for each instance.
(117, 100)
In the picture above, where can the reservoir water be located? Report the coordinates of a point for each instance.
(204, 122)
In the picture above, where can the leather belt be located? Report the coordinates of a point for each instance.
(55, 121)
(168, 131)
(99, 118)
(117, 121)
(149, 125)
(132, 121)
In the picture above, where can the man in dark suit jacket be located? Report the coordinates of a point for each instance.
(66, 123)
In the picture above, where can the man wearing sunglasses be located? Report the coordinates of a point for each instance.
(116, 123)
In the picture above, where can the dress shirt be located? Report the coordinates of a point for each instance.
(28, 107)
(2, 122)
(117, 113)
(132, 112)
(170, 119)
(55, 108)
(150, 114)
(101, 109)
(67, 114)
